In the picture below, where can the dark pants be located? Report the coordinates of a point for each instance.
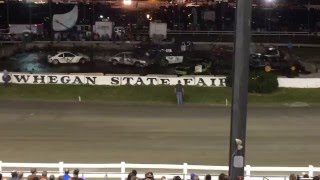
(6, 80)
(179, 98)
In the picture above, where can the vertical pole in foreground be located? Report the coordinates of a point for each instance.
(30, 17)
(240, 89)
(50, 21)
(309, 16)
(8, 13)
(92, 19)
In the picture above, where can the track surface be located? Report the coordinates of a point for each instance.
(37, 63)
(96, 133)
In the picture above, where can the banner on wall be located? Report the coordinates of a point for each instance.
(150, 80)
(116, 80)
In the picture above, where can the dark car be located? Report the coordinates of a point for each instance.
(221, 65)
(258, 61)
(272, 52)
(152, 50)
(277, 64)
(195, 67)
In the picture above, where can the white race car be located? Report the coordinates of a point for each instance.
(192, 5)
(170, 58)
(68, 57)
(128, 58)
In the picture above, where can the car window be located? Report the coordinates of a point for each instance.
(128, 55)
(61, 55)
(134, 56)
(272, 52)
(181, 69)
(68, 55)
(273, 59)
(119, 55)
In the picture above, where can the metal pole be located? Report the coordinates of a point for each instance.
(30, 16)
(84, 11)
(50, 20)
(269, 22)
(240, 88)
(309, 16)
(265, 24)
(92, 20)
(8, 13)
(179, 18)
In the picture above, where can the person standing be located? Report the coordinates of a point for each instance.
(6, 78)
(290, 47)
(44, 175)
(14, 175)
(66, 175)
(207, 177)
(33, 174)
(76, 175)
(179, 92)
(20, 175)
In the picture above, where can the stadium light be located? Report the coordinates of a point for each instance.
(127, 2)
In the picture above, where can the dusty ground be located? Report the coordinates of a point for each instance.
(96, 133)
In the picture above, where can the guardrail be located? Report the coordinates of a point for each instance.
(137, 80)
(265, 33)
(184, 170)
(277, 33)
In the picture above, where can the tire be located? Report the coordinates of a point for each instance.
(55, 62)
(82, 61)
(137, 64)
(267, 68)
(114, 62)
(164, 63)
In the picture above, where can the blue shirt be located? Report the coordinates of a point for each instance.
(66, 177)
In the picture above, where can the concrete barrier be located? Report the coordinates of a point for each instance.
(299, 82)
(134, 80)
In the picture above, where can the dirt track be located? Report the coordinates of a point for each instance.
(89, 132)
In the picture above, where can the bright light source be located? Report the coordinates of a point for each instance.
(101, 16)
(148, 16)
(127, 2)
(270, 1)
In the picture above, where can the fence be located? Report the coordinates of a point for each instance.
(219, 36)
(121, 170)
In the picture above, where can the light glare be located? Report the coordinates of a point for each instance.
(127, 2)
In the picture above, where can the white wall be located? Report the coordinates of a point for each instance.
(299, 82)
(116, 80)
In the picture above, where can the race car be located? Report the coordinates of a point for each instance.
(195, 67)
(276, 64)
(128, 58)
(68, 58)
(166, 58)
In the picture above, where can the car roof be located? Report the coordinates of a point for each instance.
(271, 48)
(59, 52)
(125, 53)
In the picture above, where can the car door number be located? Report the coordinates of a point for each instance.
(69, 59)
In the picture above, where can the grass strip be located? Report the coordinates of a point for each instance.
(151, 94)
